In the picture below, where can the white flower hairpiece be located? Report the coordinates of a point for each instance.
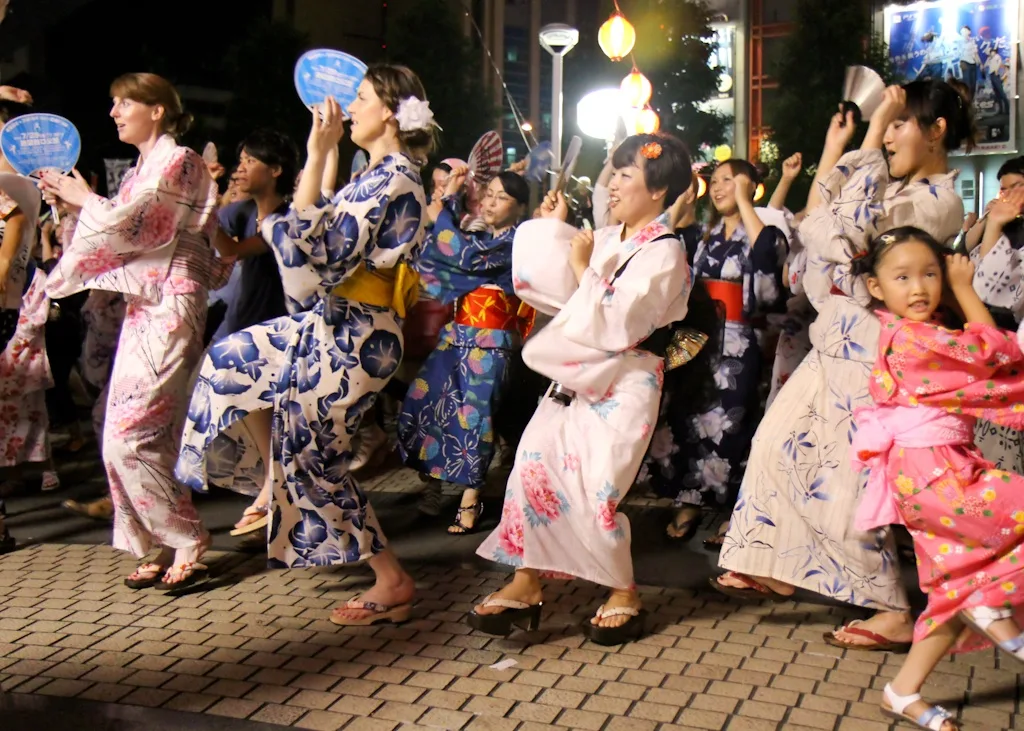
(414, 113)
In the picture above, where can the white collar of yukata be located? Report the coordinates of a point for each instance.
(738, 234)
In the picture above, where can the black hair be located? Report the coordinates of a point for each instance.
(868, 262)
(274, 149)
(929, 100)
(1013, 166)
(9, 110)
(444, 166)
(670, 170)
(738, 166)
(515, 186)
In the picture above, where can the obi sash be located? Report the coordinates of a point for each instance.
(880, 429)
(729, 294)
(493, 309)
(396, 288)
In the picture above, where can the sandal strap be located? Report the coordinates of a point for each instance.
(256, 510)
(984, 617)
(358, 604)
(148, 568)
(602, 612)
(933, 718)
(496, 601)
(184, 569)
(898, 702)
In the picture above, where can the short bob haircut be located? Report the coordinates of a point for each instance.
(670, 171)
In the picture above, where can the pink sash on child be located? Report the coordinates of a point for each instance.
(879, 430)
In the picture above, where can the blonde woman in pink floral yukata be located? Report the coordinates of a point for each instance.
(151, 242)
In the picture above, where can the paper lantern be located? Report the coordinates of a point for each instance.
(759, 192)
(646, 122)
(702, 186)
(723, 153)
(616, 37)
(636, 89)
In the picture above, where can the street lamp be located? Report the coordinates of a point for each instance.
(598, 113)
(557, 39)
(526, 126)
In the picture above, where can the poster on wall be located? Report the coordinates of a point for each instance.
(973, 41)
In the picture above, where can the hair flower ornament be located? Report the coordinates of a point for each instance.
(413, 114)
(652, 150)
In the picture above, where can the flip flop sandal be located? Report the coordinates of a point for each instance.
(756, 591)
(633, 629)
(682, 530)
(378, 613)
(191, 573)
(253, 543)
(717, 541)
(458, 528)
(879, 643)
(261, 510)
(102, 509)
(501, 623)
(931, 720)
(146, 575)
(980, 619)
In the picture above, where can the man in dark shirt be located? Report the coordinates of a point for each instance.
(267, 165)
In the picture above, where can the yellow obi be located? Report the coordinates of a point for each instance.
(397, 288)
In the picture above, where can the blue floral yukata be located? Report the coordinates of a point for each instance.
(320, 369)
(445, 428)
(706, 465)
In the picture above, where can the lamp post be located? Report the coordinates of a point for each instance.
(557, 39)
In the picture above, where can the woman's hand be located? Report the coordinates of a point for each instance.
(959, 272)
(72, 189)
(841, 130)
(1006, 207)
(580, 249)
(327, 129)
(743, 187)
(792, 166)
(12, 94)
(456, 179)
(215, 169)
(894, 101)
(554, 206)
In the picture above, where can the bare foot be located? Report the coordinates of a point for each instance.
(779, 587)
(680, 524)
(252, 514)
(618, 598)
(894, 626)
(521, 589)
(391, 594)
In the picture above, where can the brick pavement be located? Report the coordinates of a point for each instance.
(259, 647)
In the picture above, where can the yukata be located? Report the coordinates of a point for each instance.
(151, 243)
(103, 314)
(744, 277)
(24, 368)
(576, 462)
(344, 267)
(793, 519)
(445, 428)
(965, 515)
(999, 281)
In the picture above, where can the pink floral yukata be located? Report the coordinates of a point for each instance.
(575, 463)
(966, 516)
(151, 243)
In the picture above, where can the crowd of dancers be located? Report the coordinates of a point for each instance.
(820, 375)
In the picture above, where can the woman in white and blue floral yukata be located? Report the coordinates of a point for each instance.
(345, 266)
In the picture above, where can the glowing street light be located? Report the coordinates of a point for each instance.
(557, 39)
(526, 126)
(598, 113)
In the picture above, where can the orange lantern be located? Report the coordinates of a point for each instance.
(702, 186)
(646, 122)
(617, 36)
(759, 192)
(636, 89)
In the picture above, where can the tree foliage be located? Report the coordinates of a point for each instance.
(675, 44)
(829, 35)
(427, 37)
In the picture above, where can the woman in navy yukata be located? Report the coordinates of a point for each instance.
(738, 261)
(446, 427)
(312, 375)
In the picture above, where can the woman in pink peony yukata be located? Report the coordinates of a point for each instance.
(609, 292)
(150, 242)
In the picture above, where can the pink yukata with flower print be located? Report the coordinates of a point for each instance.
(966, 517)
(151, 243)
(575, 463)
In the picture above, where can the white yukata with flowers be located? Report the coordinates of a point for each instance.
(575, 463)
(151, 242)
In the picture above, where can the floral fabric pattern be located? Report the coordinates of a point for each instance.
(319, 369)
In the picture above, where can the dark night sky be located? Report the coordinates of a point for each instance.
(85, 51)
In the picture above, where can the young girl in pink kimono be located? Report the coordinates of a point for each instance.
(930, 384)
(150, 242)
(609, 291)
